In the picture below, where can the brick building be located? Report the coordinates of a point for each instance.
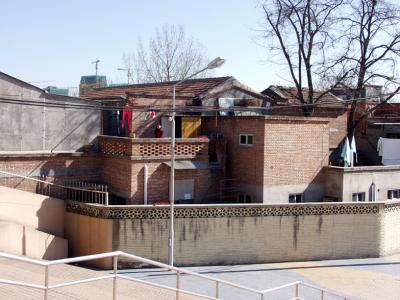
(272, 159)
(238, 154)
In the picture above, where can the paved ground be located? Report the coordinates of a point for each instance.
(99, 290)
(377, 279)
(356, 279)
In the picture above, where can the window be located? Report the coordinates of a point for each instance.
(358, 197)
(246, 139)
(392, 194)
(216, 136)
(244, 198)
(295, 198)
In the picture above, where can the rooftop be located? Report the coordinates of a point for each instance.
(192, 88)
(288, 95)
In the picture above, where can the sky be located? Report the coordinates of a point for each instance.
(54, 42)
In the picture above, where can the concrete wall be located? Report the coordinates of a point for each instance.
(341, 183)
(231, 234)
(32, 225)
(27, 241)
(26, 128)
(88, 235)
(33, 210)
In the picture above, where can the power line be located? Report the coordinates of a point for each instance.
(52, 104)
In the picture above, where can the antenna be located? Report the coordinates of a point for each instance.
(97, 64)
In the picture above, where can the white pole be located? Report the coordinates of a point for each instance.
(217, 62)
(145, 180)
(172, 184)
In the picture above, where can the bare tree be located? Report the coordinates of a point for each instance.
(170, 55)
(350, 42)
(371, 48)
(299, 31)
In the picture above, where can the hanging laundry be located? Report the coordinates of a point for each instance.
(389, 149)
(127, 116)
(150, 115)
(346, 153)
(353, 150)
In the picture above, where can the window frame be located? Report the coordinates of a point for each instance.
(295, 195)
(391, 192)
(358, 198)
(246, 136)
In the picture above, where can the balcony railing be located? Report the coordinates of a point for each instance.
(152, 147)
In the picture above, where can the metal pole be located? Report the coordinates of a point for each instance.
(217, 289)
(145, 181)
(172, 184)
(177, 284)
(46, 282)
(106, 199)
(213, 64)
(115, 269)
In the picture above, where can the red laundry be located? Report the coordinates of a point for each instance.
(127, 115)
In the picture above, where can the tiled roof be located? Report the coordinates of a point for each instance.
(191, 88)
(288, 95)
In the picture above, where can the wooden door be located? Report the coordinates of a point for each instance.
(191, 127)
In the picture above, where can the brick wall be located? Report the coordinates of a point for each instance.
(295, 151)
(337, 118)
(288, 153)
(125, 178)
(57, 168)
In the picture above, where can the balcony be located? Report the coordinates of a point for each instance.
(144, 148)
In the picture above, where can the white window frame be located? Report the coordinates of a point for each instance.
(296, 195)
(247, 139)
(358, 194)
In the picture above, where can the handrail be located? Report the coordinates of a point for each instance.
(280, 287)
(325, 291)
(116, 254)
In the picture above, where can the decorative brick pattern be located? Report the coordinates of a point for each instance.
(112, 147)
(121, 146)
(165, 149)
(229, 211)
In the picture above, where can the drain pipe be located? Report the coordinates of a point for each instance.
(145, 179)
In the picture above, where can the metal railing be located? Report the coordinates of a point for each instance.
(46, 287)
(72, 190)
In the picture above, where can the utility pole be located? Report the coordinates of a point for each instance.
(96, 62)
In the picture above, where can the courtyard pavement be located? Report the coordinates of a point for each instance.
(373, 278)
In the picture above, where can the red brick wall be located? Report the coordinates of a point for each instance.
(125, 178)
(286, 150)
(244, 164)
(57, 168)
(295, 151)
